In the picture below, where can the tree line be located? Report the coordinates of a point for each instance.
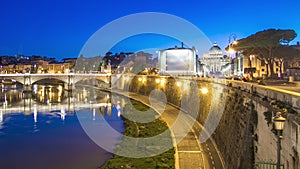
(269, 46)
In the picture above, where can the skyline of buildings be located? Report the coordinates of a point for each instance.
(214, 64)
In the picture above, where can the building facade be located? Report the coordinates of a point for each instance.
(215, 63)
(177, 61)
(253, 66)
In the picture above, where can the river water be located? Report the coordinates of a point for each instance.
(40, 130)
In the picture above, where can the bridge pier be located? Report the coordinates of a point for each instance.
(69, 87)
(27, 88)
(27, 85)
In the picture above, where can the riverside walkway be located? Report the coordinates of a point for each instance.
(190, 154)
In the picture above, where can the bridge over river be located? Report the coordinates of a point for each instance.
(70, 79)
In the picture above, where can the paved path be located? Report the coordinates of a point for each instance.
(289, 88)
(190, 154)
(283, 84)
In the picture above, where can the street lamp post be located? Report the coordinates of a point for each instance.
(234, 42)
(230, 47)
(251, 59)
(279, 125)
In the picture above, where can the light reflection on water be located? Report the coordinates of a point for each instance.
(41, 130)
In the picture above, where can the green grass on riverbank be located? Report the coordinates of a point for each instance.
(142, 130)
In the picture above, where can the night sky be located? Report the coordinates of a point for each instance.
(60, 28)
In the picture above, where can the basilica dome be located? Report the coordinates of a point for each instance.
(215, 50)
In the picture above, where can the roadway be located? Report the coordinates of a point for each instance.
(190, 153)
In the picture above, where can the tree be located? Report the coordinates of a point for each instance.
(79, 63)
(264, 45)
(286, 54)
(295, 59)
(108, 53)
(106, 58)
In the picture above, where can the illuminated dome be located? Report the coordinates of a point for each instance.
(215, 50)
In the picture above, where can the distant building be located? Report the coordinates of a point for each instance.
(137, 63)
(294, 65)
(72, 61)
(41, 65)
(141, 57)
(244, 65)
(177, 61)
(252, 65)
(295, 62)
(59, 67)
(215, 63)
(6, 69)
(22, 68)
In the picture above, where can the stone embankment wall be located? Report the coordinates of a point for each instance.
(268, 101)
(242, 112)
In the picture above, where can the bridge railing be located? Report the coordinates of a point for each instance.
(54, 74)
(267, 165)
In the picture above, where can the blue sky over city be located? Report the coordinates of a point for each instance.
(61, 28)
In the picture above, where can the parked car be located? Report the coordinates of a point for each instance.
(236, 78)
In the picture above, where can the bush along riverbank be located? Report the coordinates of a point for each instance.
(141, 127)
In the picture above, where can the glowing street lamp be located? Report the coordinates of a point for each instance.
(235, 42)
(230, 49)
(204, 90)
(278, 125)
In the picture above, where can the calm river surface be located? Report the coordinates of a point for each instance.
(40, 130)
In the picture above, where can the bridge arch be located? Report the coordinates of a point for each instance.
(93, 82)
(39, 79)
(49, 79)
(90, 78)
(17, 79)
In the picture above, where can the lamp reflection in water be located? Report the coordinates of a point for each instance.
(1, 118)
(84, 95)
(5, 101)
(48, 93)
(118, 108)
(62, 113)
(35, 88)
(94, 114)
(108, 109)
(35, 114)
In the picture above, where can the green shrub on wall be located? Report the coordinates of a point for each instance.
(268, 117)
